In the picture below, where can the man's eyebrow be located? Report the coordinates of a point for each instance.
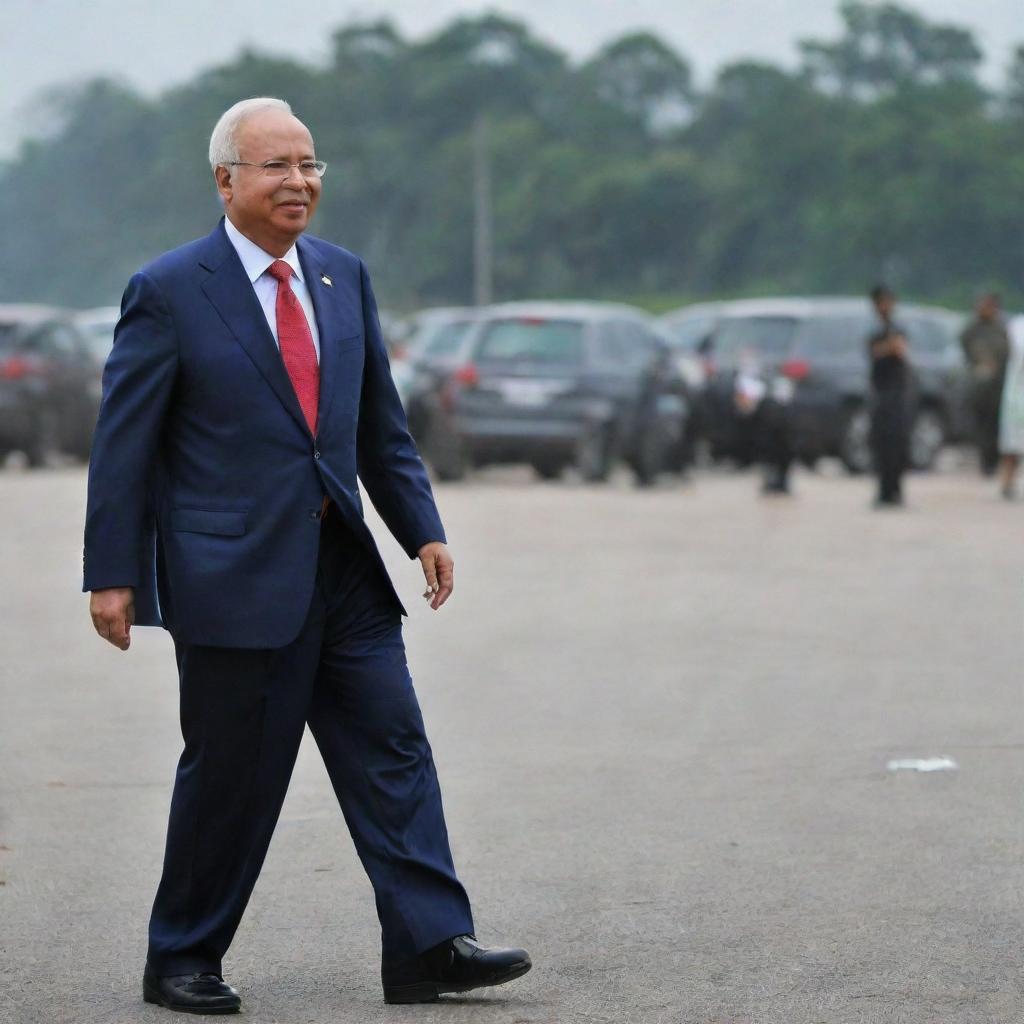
(283, 156)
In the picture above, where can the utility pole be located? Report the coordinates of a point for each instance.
(483, 221)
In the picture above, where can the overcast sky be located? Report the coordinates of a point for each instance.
(156, 43)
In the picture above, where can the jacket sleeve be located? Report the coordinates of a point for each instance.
(138, 381)
(388, 463)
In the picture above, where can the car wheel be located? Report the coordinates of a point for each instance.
(927, 436)
(594, 454)
(44, 445)
(81, 448)
(650, 457)
(855, 440)
(548, 469)
(445, 454)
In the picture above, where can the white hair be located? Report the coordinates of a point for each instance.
(223, 147)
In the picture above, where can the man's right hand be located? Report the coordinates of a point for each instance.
(113, 613)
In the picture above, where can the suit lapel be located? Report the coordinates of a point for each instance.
(329, 323)
(231, 292)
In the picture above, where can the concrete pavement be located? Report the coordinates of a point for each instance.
(662, 722)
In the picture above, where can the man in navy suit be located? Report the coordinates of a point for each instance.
(247, 387)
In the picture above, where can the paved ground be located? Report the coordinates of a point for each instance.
(662, 722)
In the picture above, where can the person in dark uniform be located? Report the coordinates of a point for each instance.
(986, 348)
(892, 399)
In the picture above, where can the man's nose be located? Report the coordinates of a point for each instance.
(294, 172)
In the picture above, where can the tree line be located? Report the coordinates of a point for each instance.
(882, 155)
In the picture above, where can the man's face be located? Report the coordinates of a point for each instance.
(987, 307)
(884, 304)
(272, 211)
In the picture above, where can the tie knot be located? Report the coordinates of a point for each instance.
(281, 270)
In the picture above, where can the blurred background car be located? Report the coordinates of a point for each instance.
(97, 325)
(553, 385)
(689, 330)
(49, 384)
(434, 345)
(819, 345)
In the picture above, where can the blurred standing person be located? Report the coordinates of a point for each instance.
(1011, 412)
(892, 399)
(986, 349)
(763, 408)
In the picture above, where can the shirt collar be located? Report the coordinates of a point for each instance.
(256, 260)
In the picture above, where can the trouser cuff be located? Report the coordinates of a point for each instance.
(174, 964)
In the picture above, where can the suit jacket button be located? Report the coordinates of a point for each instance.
(316, 453)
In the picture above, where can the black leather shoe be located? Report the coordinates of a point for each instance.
(456, 965)
(190, 993)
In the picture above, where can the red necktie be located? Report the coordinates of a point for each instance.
(296, 341)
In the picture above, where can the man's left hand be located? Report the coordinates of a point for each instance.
(439, 572)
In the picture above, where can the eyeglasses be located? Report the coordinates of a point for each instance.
(282, 168)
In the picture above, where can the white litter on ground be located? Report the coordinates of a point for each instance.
(923, 764)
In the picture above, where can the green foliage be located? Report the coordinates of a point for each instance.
(645, 79)
(881, 157)
(887, 47)
(1014, 100)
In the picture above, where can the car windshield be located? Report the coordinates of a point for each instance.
(839, 335)
(766, 336)
(532, 340)
(689, 333)
(928, 334)
(444, 340)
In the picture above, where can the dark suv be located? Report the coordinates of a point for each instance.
(556, 384)
(820, 345)
(50, 384)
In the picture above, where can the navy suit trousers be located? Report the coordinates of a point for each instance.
(243, 713)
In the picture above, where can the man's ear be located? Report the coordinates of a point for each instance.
(222, 175)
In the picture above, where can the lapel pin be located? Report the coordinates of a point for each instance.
(326, 280)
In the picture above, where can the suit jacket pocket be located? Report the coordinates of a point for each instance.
(202, 520)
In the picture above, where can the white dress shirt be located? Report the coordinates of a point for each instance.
(255, 262)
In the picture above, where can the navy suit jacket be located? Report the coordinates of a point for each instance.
(205, 482)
